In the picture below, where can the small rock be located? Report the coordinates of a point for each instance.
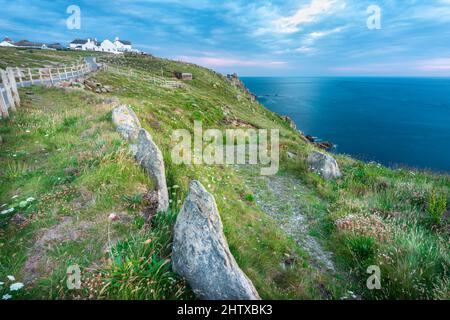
(290, 121)
(324, 165)
(326, 145)
(114, 101)
(291, 155)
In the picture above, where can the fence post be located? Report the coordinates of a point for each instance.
(31, 76)
(3, 105)
(50, 74)
(19, 75)
(40, 75)
(7, 86)
(13, 83)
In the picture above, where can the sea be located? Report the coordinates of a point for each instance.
(398, 122)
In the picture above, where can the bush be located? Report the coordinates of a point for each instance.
(437, 204)
(141, 266)
(362, 248)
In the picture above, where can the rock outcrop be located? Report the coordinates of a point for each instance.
(126, 122)
(151, 159)
(201, 254)
(290, 122)
(324, 165)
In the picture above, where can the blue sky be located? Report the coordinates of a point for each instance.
(271, 38)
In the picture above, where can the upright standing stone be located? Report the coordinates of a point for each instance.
(151, 159)
(201, 254)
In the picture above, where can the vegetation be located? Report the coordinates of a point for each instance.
(61, 159)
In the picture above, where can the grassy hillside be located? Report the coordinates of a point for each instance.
(61, 153)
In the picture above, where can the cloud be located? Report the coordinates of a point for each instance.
(307, 14)
(230, 62)
(435, 65)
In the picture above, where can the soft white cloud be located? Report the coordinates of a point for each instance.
(306, 14)
(230, 62)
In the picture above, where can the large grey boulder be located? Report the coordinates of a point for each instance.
(126, 122)
(151, 159)
(201, 254)
(324, 165)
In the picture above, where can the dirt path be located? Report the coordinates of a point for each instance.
(284, 199)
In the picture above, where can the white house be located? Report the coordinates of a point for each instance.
(108, 46)
(7, 42)
(85, 45)
(116, 47)
(123, 45)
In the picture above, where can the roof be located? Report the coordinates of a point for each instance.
(79, 41)
(125, 42)
(26, 43)
(55, 46)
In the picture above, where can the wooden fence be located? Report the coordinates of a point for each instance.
(145, 76)
(14, 78)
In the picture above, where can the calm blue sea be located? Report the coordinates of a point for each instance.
(394, 121)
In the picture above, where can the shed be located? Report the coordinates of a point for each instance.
(183, 76)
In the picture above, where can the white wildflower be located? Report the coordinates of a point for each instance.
(11, 278)
(6, 297)
(16, 286)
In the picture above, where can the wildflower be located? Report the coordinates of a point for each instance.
(6, 297)
(113, 217)
(11, 278)
(16, 286)
(1, 283)
(30, 199)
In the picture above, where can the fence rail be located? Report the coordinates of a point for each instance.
(14, 78)
(154, 79)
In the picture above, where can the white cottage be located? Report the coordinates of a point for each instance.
(123, 45)
(85, 45)
(116, 47)
(108, 46)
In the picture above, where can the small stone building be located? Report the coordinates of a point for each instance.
(183, 76)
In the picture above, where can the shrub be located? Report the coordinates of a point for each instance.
(362, 248)
(437, 204)
(141, 267)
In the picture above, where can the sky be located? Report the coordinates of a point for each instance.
(257, 38)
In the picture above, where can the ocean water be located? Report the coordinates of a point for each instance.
(394, 121)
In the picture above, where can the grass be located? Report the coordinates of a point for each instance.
(74, 164)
